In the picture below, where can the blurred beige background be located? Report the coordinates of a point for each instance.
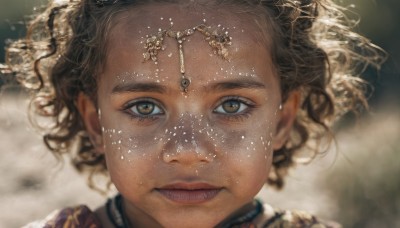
(356, 183)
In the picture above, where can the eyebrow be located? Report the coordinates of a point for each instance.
(139, 87)
(237, 84)
(156, 87)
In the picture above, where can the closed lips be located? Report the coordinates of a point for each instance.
(189, 193)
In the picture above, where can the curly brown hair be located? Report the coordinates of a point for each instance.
(314, 51)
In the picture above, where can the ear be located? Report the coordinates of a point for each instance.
(90, 118)
(286, 116)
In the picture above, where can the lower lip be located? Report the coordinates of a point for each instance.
(189, 196)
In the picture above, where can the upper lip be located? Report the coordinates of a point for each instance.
(189, 186)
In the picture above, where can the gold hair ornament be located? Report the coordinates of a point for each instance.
(217, 40)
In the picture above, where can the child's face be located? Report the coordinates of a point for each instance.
(189, 158)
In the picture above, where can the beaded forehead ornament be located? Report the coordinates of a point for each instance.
(217, 40)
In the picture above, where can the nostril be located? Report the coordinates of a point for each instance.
(173, 156)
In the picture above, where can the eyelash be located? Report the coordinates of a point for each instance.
(240, 116)
(128, 106)
(236, 116)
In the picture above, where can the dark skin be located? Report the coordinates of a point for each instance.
(187, 159)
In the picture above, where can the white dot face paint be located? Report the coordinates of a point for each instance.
(218, 136)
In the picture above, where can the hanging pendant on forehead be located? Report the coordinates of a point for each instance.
(218, 42)
(185, 83)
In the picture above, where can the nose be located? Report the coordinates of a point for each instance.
(186, 147)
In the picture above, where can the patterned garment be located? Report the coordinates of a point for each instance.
(83, 217)
(71, 217)
(296, 219)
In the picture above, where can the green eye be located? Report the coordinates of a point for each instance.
(145, 108)
(231, 107)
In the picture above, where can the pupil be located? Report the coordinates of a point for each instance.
(145, 108)
(231, 106)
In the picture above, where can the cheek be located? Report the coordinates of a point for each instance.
(246, 143)
(128, 144)
(251, 139)
(131, 157)
(248, 153)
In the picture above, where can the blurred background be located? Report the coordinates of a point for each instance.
(357, 183)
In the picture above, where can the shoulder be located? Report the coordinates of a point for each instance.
(284, 218)
(78, 217)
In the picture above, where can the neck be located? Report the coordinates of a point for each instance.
(131, 216)
(245, 214)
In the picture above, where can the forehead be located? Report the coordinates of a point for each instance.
(138, 21)
(131, 27)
